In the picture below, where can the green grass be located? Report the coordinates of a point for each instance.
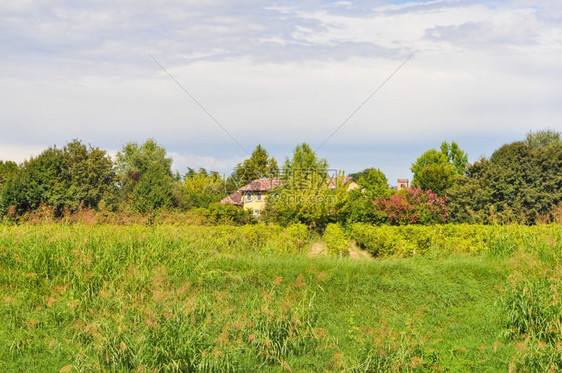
(169, 298)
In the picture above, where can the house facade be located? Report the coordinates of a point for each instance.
(253, 196)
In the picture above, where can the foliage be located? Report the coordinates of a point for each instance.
(429, 157)
(501, 241)
(436, 170)
(259, 165)
(382, 241)
(309, 202)
(308, 195)
(134, 160)
(218, 213)
(145, 176)
(293, 238)
(153, 190)
(437, 178)
(200, 189)
(457, 157)
(7, 170)
(543, 138)
(335, 240)
(90, 174)
(63, 179)
(414, 206)
(374, 183)
(362, 208)
(304, 167)
(519, 183)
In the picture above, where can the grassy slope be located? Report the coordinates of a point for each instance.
(121, 298)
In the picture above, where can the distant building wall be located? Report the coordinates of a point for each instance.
(254, 200)
(402, 183)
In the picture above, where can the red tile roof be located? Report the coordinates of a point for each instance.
(264, 185)
(333, 183)
(234, 199)
(261, 185)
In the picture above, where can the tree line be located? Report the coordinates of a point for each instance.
(521, 182)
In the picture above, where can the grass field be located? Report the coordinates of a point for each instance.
(219, 299)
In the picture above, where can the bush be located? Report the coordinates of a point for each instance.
(463, 238)
(256, 238)
(414, 206)
(382, 241)
(218, 213)
(292, 238)
(336, 240)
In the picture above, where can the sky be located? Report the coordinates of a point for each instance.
(396, 77)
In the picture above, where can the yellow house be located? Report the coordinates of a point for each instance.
(254, 195)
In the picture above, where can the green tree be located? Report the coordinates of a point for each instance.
(200, 189)
(435, 170)
(305, 169)
(7, 169)
(259, 165)
(519, 183)
(145, 176)
(63, 179)
(14, 193)
(542, 138)
(429, 157)
(90, 172)
(154, 190)
(374, 183)
(457, 157)
(432, 170)
(435, 177)
(315, 206)
(468, 199)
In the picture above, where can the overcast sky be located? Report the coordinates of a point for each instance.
(279, 73)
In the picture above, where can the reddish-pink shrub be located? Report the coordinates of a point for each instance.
(414, 206)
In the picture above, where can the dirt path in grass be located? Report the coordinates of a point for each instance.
(319, 248)
(357, 253)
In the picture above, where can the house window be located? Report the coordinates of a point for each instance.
(248, 196)
(258, 196)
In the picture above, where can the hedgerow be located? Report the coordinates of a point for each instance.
(336, 240)
(463, 238)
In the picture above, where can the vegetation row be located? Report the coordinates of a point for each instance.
(520, 183)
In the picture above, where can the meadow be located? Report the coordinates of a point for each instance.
(251, 299)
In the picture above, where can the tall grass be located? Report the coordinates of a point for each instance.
(171, 298)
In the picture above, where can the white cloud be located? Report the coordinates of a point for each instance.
(277, 75)
(181, 162)
(19, 153)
